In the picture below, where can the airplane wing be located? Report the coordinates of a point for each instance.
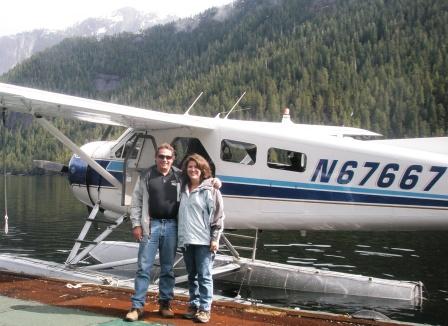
(48, 104)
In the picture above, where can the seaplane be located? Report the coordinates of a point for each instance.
(275, 176)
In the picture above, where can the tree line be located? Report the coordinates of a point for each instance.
(379, 65)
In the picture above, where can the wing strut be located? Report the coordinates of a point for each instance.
(74, 257)
(74, 148)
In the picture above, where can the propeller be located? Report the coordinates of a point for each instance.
(50, 166)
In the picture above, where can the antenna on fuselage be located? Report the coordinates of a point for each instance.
(241, 97)
(192, 104)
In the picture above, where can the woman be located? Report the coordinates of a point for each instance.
(199, 228)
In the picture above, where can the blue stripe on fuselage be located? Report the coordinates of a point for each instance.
(244, 190)
(115, 166)
(263, 188)
(332, 188)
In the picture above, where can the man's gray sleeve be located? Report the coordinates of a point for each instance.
(137, 203)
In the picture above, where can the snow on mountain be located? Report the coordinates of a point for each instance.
(18, 47)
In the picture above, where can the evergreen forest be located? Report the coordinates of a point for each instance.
(381, 65)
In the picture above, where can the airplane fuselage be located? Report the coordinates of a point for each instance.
(273, 179)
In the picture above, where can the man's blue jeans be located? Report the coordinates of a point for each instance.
(199, 263)
(164, 238)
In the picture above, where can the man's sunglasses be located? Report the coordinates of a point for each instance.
(162, 157)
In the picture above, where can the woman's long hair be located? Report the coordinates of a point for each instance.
(202, 165)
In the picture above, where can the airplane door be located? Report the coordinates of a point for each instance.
(139, 157)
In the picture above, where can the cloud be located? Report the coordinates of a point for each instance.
(186, 24)
(189, 24)
(223, 13)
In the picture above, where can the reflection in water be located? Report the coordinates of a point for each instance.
(373, 253)
(412, 256)
(44, 217)
(44, 220)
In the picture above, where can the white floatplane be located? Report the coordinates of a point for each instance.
(276, 176)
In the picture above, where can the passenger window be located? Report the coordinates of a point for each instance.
(238, 152)
(185, 146)
(286, 160)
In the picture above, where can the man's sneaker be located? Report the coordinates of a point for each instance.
(134, 314)
(165, 309)
(191, 312)
(203, 316)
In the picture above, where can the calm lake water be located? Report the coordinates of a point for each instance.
(44, 219)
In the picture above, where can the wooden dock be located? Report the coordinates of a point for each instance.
(114, 302)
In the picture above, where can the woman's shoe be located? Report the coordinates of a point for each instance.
(134, 314)
(203, 316)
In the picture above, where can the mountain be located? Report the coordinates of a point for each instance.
(16, 48)
(380, 65)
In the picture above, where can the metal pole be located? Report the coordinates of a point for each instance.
(4, 170)
(254, 252)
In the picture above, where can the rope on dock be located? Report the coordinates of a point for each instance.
(103, 281)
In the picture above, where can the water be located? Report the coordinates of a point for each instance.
(44, 218)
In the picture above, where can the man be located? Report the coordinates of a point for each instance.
(154, 208)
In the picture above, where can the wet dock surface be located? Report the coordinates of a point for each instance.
(37, 301)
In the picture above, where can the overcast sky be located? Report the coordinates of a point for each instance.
(25, 15)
